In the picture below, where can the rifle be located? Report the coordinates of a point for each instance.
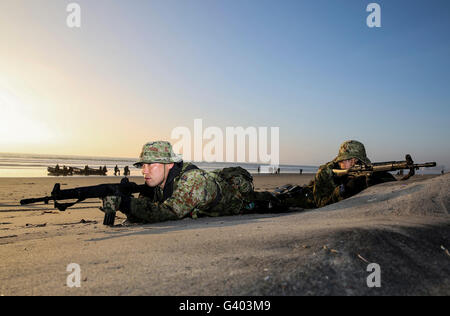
(125, 187)
(367, 170)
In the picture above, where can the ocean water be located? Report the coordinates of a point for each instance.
(35, 165)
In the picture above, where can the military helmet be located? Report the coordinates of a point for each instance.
(157, 152)
(352, 149)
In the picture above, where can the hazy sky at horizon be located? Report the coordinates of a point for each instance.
(134, 71)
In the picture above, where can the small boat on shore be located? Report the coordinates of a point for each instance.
(101, 171)
(70, 171)
(56, 171)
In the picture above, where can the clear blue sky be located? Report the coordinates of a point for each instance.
(312, 68)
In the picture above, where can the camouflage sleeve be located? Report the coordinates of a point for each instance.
(194, 192)
(145, 209)
(325, 190)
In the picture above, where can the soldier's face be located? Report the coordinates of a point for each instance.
(347, 164)
(155, 174)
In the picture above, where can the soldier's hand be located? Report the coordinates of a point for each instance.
(113, 204)
(353, 186)
(110, 204)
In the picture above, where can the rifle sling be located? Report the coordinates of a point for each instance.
(174, 173)
(63, 206)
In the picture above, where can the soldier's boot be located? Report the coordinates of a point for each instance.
(266, 202)
(283, 189)
(295, 196)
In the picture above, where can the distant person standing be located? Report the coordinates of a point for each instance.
(301, 171)
(259, 169)
(116, 170)
(126, 171)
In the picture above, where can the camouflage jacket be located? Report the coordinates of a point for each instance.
(189, 191)
(327, 188)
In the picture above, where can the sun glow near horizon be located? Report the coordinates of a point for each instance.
(132, 74)
(18, 125)
(29, 125)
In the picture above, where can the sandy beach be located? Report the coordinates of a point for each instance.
(404, 227)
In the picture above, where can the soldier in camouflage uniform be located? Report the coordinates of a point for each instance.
(327, 188)
(180, 190)
(330, 189)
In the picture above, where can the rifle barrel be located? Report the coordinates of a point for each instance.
(96, 191)
(125, 187)
(426, 165)
(35, 200)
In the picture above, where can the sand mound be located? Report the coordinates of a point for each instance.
(417, 196)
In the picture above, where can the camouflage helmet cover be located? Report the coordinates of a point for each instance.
(157, 152)
(352, 149)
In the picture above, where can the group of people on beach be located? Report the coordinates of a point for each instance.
(126, 171)
(180, 189)
(272, 170)
(86, 171)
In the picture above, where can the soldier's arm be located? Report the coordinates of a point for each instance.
(194, 192)
(146, 209)
(325, 190)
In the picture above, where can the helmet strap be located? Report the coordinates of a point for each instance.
(164, 179)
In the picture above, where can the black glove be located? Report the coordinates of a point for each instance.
(125, 204)
(354, 186)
